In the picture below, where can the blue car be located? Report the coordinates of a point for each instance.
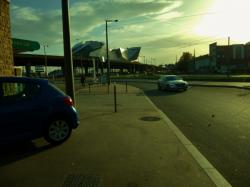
(32, 108)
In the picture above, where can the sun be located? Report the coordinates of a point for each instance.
(228, 18)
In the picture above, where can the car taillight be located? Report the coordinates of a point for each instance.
(68, 101)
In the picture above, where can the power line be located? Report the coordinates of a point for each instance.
(201, 41)
(179, 17)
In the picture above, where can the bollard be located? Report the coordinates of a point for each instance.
(126, 87)
(115, 103)
(89, 87)
(108, 88)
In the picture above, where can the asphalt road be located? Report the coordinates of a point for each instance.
(216, 121)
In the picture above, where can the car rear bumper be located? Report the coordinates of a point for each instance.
(75, 120)
(178, 88)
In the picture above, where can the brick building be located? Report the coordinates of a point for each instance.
(235, 58)
(6, 52)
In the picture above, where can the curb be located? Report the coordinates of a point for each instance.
(190, 84)
(206, 166)
(220, 86)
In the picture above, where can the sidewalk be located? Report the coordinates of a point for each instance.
(134, 147)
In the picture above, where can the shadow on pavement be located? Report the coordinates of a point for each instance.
(243, 94)
(161, 93)
(16, 151)
(98, 114)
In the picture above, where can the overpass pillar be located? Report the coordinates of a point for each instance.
(130, 69)
(28, 69)
(121, 70)
(63, 70)
(97, 67)
(94, 68)
(86, 68)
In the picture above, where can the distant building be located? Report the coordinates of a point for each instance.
(98, 50)
(191, 66)
(247, 51)
(203, 64)
(234, 57)
(85, 49)
(224, 58)
(125, 55)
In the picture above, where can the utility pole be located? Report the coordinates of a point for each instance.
(228, 56)
(194, 59)
(68, 61)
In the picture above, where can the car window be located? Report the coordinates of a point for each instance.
(13, 91)
(54, 87)
(172, 78)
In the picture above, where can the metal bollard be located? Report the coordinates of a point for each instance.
(115, 103)
(126, 87)
(89, 87)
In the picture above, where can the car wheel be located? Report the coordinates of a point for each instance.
(57, 131)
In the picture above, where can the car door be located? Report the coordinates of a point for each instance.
(20, 112)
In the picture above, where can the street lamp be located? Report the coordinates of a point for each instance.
(143, 59)
(45, 59)
(107, 48)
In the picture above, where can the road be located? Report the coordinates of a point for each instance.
(216, 121)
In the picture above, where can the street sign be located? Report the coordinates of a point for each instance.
(39, 69)
(20, 45)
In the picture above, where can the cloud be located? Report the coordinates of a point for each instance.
(165, 49)
(168, 16)
(137, 24)
(130, 28)
(81, 9)
(37, 25)
(25, 13)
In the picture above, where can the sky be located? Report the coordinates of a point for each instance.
(164, 29)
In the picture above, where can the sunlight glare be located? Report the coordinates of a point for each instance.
(230, 19)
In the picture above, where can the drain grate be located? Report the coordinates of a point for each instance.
(150, 118)
(82, 181)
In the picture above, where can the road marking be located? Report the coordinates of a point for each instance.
(208, 168)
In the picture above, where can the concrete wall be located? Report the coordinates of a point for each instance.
(6, 52)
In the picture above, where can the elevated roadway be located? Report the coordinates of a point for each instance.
(34, 60)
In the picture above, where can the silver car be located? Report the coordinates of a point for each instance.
(172, 83)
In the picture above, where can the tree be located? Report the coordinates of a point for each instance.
(183, 63)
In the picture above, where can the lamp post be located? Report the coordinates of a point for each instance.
(45, 59)
(143, 59)
(107, 48)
